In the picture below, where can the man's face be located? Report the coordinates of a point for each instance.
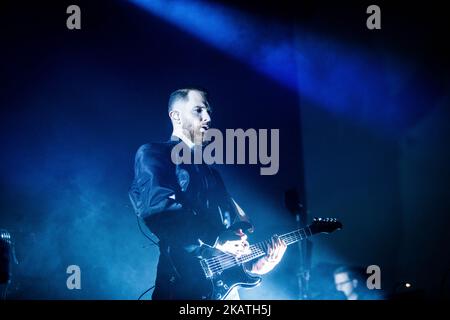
(195, 116)
(344, 283)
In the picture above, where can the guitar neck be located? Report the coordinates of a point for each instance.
(260, 249)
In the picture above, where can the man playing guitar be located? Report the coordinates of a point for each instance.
(187, 207)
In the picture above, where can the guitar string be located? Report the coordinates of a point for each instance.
(230, 260)
(233, 261)
(223, 259)
(236, 261)
(289, 237)
(226, 261)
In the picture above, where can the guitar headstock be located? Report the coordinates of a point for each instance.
(325, 225)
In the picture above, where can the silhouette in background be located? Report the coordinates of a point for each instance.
(351, 281)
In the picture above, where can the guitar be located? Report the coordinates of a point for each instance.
(218, 272)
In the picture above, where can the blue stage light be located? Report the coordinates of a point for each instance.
(372, 90)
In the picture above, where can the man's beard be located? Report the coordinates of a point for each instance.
(198, 137)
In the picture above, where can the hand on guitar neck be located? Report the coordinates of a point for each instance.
(235, 242)
(275, 252)
(228, 264)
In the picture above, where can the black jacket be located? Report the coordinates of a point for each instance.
(180, 204)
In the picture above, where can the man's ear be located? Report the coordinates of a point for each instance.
(175, 116)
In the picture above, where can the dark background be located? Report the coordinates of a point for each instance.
(365, 111)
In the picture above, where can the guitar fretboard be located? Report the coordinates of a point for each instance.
(225, 261)
(260, 249)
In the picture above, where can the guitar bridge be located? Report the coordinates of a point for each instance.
(207, 271)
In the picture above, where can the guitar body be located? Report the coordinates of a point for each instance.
(197, 285)
(213, 273)
(224, 281)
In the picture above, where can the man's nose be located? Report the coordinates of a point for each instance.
(206, 118)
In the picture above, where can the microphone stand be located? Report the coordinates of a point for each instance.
(304, 247)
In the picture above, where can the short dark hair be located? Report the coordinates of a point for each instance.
(353, 272)
(181, 94)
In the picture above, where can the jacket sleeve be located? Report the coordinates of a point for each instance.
(230, 209)
(154, 187)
